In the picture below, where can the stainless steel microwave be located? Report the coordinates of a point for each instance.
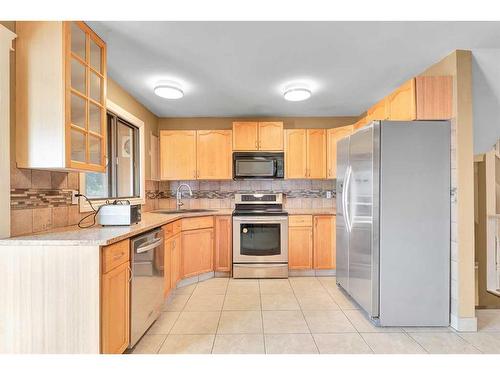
(258, 165)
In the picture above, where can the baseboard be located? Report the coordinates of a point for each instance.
(309, 273)
(463, 324)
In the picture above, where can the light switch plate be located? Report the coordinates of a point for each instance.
(329, 194)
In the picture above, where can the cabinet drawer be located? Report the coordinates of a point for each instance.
(300, 221)
(197, 223)
(115, 254)
(172, 229)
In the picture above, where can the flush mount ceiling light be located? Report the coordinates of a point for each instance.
(169, 90)
(297, 93)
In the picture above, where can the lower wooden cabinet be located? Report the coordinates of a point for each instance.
(175, 245)
(324, 242)
(197, 251)
(167, 266)
(223, 244)
(300, 248)
(115, 309)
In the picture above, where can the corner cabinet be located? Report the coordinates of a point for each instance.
(333, 135)
(60, 96)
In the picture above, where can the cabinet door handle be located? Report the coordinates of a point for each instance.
(194, 174)
(130, 273)
(256, 145)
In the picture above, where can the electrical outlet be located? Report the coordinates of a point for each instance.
(329, 194)
(74, 198)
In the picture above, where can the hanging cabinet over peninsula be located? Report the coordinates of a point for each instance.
(60, 96)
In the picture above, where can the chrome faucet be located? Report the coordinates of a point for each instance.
(178, 195)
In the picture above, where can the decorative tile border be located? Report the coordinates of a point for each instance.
(39, 198)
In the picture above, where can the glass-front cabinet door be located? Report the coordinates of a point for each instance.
(85, 98)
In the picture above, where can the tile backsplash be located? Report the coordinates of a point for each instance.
(41, 200)
(220, 194)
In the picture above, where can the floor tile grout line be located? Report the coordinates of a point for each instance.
(415, 340)
(262, 319)
(307, 324)
(220, 316)
(359, 333)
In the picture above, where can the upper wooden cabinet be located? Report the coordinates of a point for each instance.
(402, 104)
(305, 153)
(257, 136)
(333, 135)
(213, 154)
(362, 122)
(60, 96)
(434, 97)
(195, 154)
(379, 111)
(178, 154)
(270, 136)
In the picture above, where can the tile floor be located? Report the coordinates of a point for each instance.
(297, 315)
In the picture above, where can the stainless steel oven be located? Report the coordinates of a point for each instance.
(258, 165)
(260, 236)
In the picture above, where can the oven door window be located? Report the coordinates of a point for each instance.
(264, 168)
(260, 239)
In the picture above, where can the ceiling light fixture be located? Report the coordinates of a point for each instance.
(297, 93)
(169, 90)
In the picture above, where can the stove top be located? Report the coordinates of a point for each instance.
(259, 204)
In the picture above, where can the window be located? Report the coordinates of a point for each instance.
(121, 179)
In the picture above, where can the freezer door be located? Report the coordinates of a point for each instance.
(342, 235)
(362, 211)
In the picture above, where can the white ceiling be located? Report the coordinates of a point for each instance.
(239, 68)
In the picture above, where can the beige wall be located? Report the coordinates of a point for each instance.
(194, 123)
(459, 65)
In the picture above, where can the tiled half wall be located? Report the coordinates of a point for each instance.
(220, 194)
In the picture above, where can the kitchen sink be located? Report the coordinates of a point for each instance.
(183, 211)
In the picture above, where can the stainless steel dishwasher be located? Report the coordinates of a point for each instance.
(146, 282)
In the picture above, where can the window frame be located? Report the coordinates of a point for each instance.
(141, 166)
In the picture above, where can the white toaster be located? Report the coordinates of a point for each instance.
(119, 214)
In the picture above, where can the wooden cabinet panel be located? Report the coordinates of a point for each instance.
(197, 222)
(270, 136)
(300, 221)
(178, 154)
(296, 153)
(361, 123)
(197, 252)
(167, 266)
(172, 229)
(175, 268)
(115, 310)
(245, 136)
(333, 135)
(402, 104)
(115, 254)
(324, 242)
(379, 111)
(316, 153)
(223, 244)
(300, 248)
(214, 154)
(434, 97)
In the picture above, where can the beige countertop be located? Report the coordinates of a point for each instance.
(99, 235)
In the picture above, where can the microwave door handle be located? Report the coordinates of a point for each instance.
(149, 246)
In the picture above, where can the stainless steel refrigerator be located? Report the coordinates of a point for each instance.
(393, 221)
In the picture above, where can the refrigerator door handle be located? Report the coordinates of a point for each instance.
(344, 211)
(346, 199)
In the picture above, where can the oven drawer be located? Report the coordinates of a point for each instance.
(260, 270)
(300, 221)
